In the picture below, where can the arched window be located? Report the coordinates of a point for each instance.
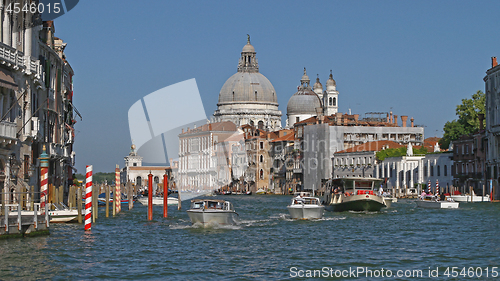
(261, 174)
(138, 181)
(156, 179)
(334, 103)
(261, 159)
(330, 101)
(261, 125)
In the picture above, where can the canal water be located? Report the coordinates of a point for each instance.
(404, 241)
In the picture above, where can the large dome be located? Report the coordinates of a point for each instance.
(304, 101)
(247, 87)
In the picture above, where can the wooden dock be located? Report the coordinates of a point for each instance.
(16, 222)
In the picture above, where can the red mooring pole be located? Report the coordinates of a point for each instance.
(165, 195)
(150, 196)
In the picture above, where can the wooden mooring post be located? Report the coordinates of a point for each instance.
(79, 203)
(106, 188)
(130, 194)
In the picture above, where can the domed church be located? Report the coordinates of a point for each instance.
(248, 97)
(308, 102)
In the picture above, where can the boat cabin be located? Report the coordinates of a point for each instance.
(306, 201)
(200, 204)
(353, 186)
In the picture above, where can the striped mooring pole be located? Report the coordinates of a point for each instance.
(44, 180)
(150, 196)
(437, 187)
(88, 199)
(165, 195)
(118, 202)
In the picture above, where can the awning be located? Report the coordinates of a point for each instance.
(76, 110)
(7, 80)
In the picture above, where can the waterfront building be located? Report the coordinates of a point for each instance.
(280, 154)
(492, 92)
(202, 164)
(248, 97)
(137, 174)
(322, 136)
(36, 95)
(469, 156)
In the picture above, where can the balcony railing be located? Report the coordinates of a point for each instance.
(18, 60)
(8, 130)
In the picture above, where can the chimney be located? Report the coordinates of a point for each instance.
(403, 120)
(339, 118)
(481, 118)
(183, 130)
(396, 120)
(412, 121)
(390, 120)
(387, 117)
(494, 62)
(356, 117)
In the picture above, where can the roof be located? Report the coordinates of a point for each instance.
(372, 146)
(288, 137)
(218, 126)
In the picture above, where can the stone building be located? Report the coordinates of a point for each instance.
(137, 174)
(36, 94)
(203, 164)
(248, 97)
(492, 92)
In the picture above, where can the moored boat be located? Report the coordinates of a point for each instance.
(306, 208)
(210, 211)
(353, 194)
(62, 214)
(158, 200)
(431, 202)
(466, 198)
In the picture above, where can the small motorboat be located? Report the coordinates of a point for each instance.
(466, 198)
(101, 199)
(61, 213)
(158, 200)
(354, 194)
(211, 211)
(306, 208)
(431, 202)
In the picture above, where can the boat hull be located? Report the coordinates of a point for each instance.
(62, 216)
(357, 203)
(468, 198)
(437, 204)
(208, 217)
(306, 211)
(158, 201)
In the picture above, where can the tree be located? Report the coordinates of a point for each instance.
(467, 122)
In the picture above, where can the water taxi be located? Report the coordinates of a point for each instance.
(212, 211)
(306, 208)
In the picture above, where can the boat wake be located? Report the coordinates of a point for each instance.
(208, 226)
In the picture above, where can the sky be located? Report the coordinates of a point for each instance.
(414, 58)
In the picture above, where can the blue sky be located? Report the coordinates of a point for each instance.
(416, 58)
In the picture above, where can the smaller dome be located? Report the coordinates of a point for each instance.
(248, 48)
(304, 101)
(318, 87)
(330, 83)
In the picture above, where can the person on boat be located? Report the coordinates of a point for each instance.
(422, 196)
(442, 197)
(299, 199)
(380, 191)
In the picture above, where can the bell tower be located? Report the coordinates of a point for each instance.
(330, 97)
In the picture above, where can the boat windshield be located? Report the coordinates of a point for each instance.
(197, 205)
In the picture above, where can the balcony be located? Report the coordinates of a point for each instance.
(17, 60)
(8, 130)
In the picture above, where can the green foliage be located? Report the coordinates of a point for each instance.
(467, 122)
(398, 152)
(99, 177)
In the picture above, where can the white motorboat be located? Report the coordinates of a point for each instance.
(306, 208)
(212, 211)
(469, 198)
(431, 202)
(157, 200)
(62, 213)
(353, 194)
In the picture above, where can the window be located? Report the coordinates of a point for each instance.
(445, 171)
(297, 119)
(425, 171)
(432, 170)
(261, 145)
(466, 149)
(330, 101)
(261, 159)
(135, 164)
(334, 103)
(438, 171)
(261, 174)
